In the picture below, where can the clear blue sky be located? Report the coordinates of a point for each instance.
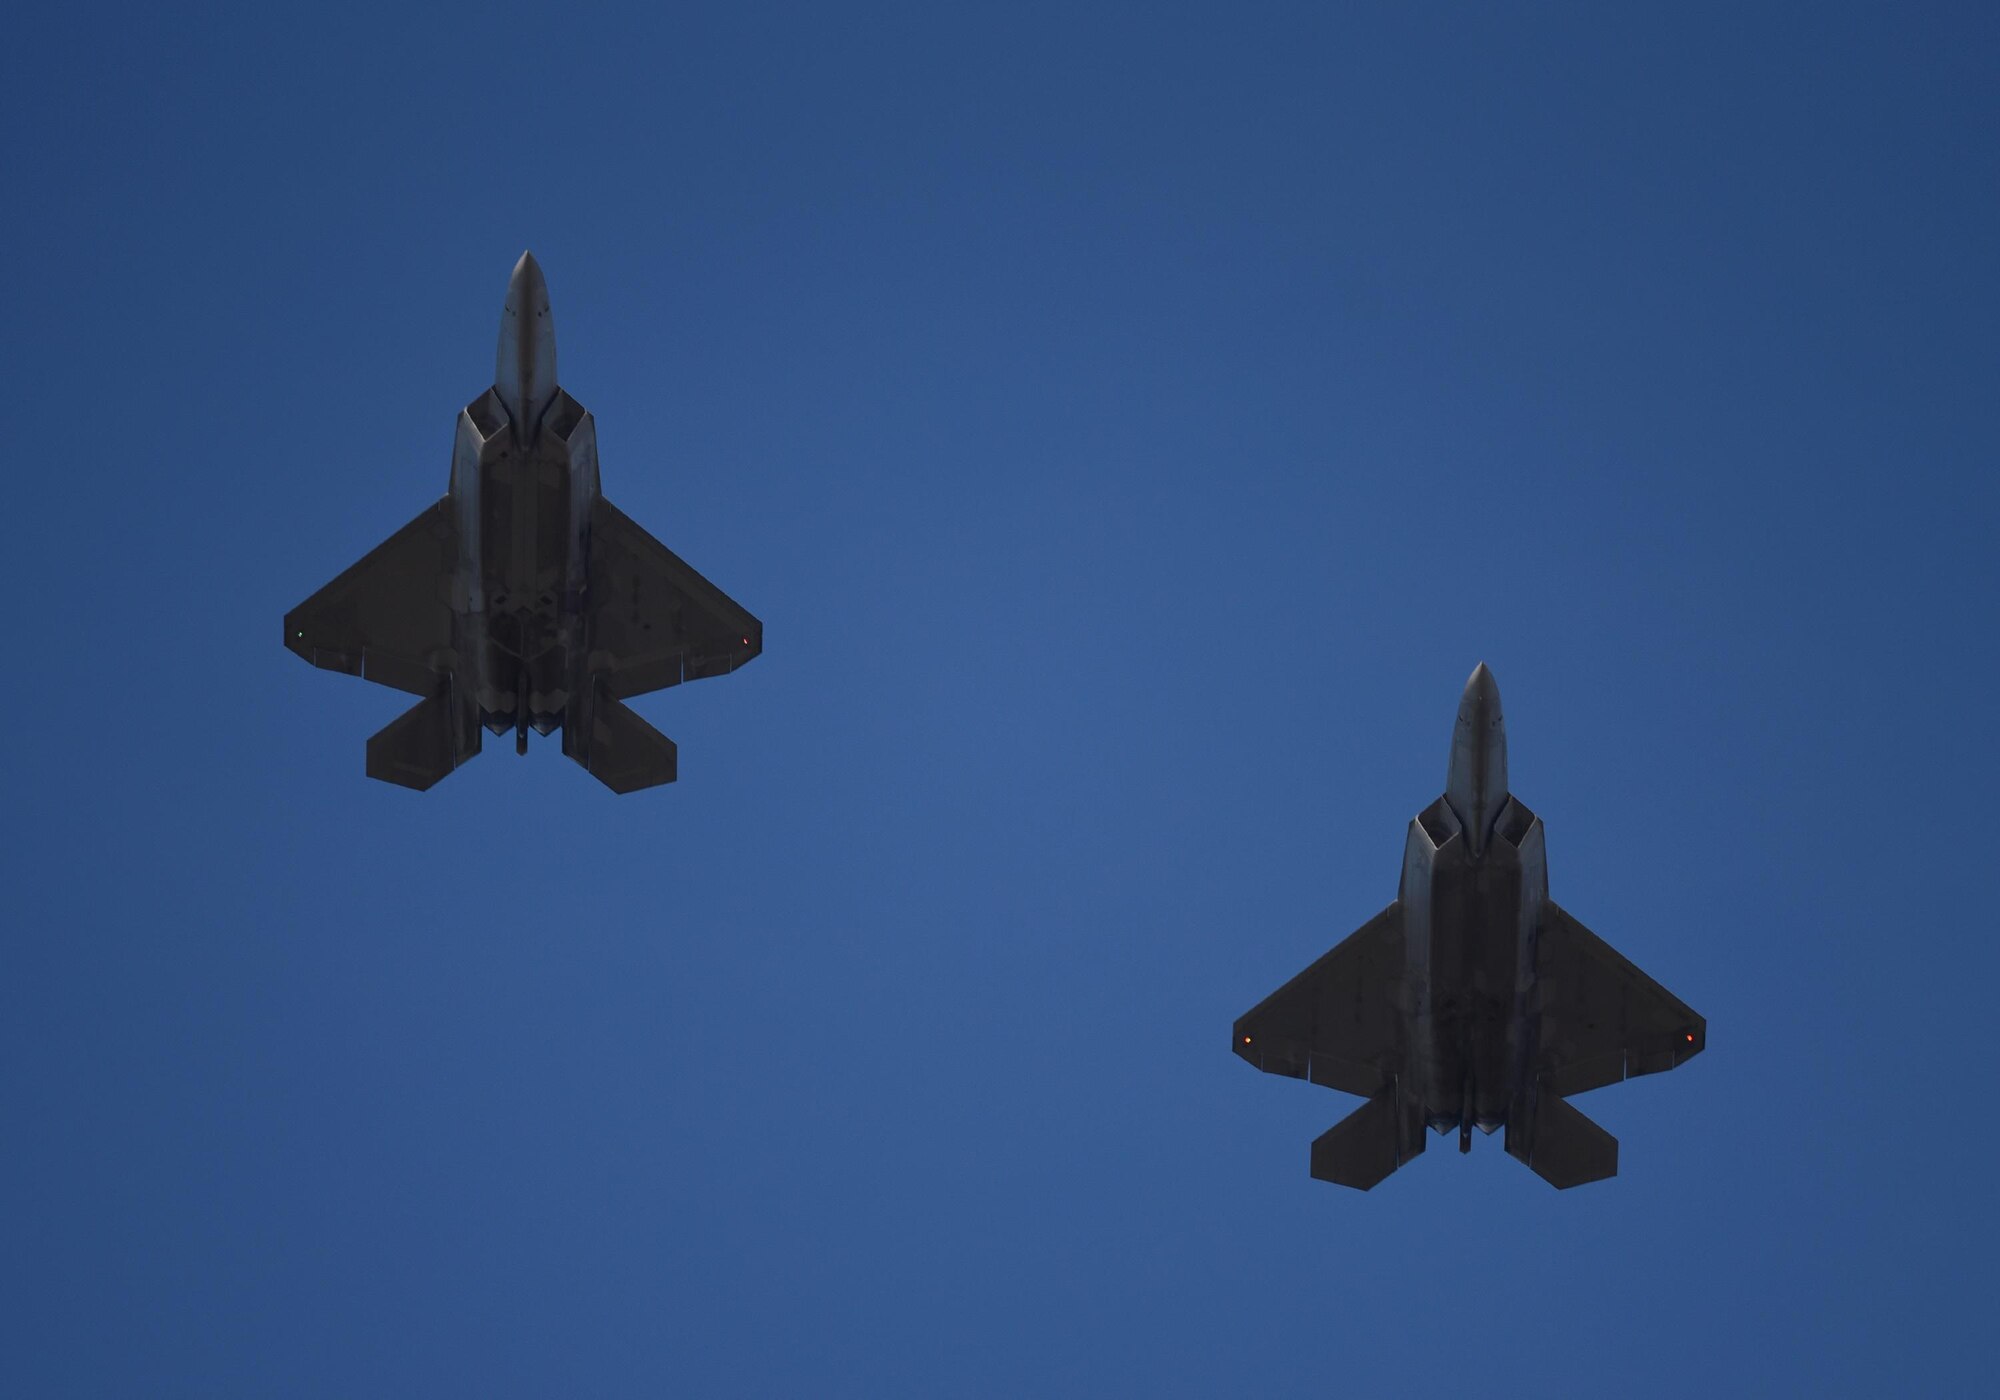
(1131, 424)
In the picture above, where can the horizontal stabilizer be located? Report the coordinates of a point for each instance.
(420, 746)
(1370, 1142)
(1563, 1147)
(622, 751)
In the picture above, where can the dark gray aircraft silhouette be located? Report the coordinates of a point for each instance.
(523, 599)
(1474, 1000)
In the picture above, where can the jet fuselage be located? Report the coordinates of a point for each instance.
(1473, 1000)
(1474, 879)
(523, 479)
(522, 599)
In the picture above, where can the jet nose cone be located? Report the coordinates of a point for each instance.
(1476, 784)
(524, 370)
(1482, 695)
(527, 283)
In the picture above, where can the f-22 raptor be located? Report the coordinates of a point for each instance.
(1474, 1000)
(523, 599)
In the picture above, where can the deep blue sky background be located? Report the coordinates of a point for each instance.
(1131, 423)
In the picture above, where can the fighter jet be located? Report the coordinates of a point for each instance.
(1474, 1000)
(523, 599)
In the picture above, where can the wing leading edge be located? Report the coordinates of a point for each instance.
(654, 621)
(388, 618)
(1603, 1019)
(1338, 1023)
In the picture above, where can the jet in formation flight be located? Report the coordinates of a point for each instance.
(523, 599)
(1474, 1000)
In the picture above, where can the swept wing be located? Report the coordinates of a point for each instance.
(1338, 1023)
(1603, 1019)
(388, 618)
